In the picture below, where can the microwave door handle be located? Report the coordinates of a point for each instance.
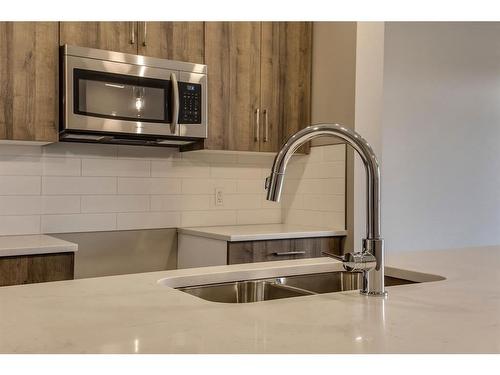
(175, 104)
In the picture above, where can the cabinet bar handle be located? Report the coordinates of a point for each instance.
(289, 253)
(145, 33)
(132, 32)
(257, 124)
(266, 126)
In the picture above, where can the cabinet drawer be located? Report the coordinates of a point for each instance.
(39, 268)
(297, 248)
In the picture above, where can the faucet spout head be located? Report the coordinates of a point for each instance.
(274, 186)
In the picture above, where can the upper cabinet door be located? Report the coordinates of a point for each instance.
(28, 81)
(183, 41)
(259, 87)
(232, 53)
(295, 80)
(217, 60)
(270, 87)
(245, 120)
(112, 36)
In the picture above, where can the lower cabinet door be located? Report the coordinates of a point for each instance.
(297, 248)
(38, 268)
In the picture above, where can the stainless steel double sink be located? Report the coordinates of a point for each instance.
(282, 287)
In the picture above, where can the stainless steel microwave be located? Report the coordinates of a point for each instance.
(113, 97)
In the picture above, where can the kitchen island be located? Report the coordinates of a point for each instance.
(456, 311)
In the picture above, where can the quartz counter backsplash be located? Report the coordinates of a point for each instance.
(71, 187)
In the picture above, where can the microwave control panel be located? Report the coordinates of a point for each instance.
(190, 103)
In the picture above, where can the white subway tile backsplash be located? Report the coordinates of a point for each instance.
(145, 220)
(19, 150)
(19, 224)
(70, 187)
(180, 202)
(316, 155)
(78, 185)
(20, 185)
(78, 223)
(323, 202)
(209, 156)
(207, 186)
(13, 165)
(116, 167)
(268, 204)
(293, 201)
(239, 201)
(314, 191)
(235, 171)
(20, 205)
(262, 216)
(206, 218)
(149, 185)
(333, 219)
(251, 186)
(333, 153)
(319, 186)
(179, 169)
(61, 167)
(307, 217)
(60, 204)
(264, 159)
(115, 203)
(325, 170)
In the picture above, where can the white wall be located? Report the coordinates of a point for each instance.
(441, 135)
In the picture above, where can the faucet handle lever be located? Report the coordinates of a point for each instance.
(357, 261)
(342, 258)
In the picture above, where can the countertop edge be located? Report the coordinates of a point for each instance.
(36, 244)
(262, 236)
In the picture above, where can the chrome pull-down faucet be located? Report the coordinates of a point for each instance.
(371, 259)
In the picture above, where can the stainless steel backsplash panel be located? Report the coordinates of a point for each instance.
(122, 252)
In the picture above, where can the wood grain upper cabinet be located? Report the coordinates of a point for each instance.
(232, 54)
(183, 41)
(28, 81)
(295, 77)
(259, 83)
(270, 87)
(113, 36)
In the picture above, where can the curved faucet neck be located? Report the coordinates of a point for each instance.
(274, 183)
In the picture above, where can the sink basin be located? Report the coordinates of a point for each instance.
(283, 287)
(244, 291)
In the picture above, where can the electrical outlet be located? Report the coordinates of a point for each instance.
(219, 197)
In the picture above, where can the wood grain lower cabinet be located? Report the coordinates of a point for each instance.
(297, 248)
(38, 268)
(28, 81)
(197, 251)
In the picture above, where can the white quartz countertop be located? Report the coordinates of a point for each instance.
(234, 233)
(34, 244)
(137, 314)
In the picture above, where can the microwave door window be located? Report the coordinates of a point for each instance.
(119, 99)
